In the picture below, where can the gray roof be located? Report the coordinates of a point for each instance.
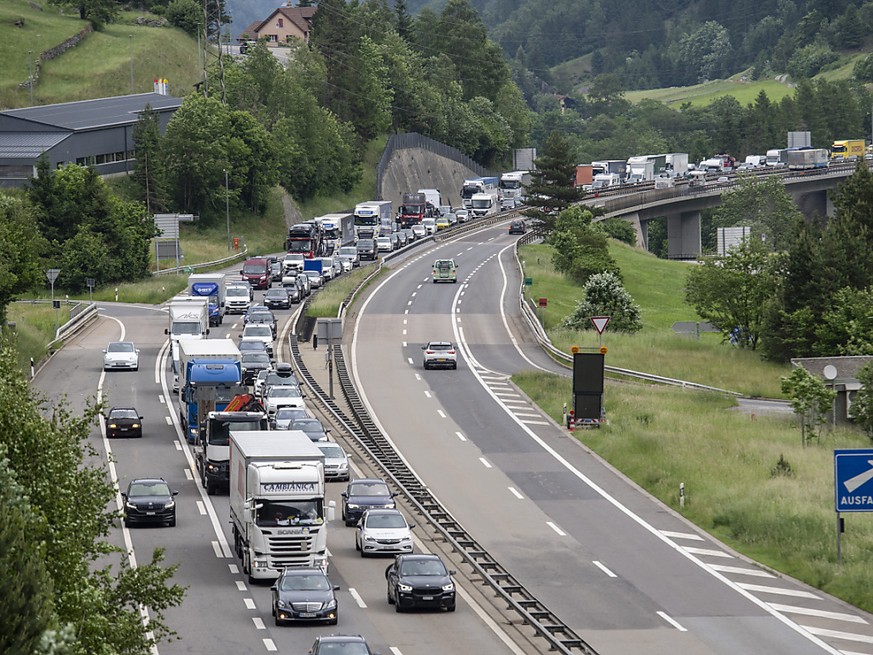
(847, 367)
(28, 145)
(96, 113)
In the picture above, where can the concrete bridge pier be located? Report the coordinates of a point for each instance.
(683, 235)
(641, 229)
(815, 203)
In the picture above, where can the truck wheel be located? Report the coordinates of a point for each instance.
(210, 488)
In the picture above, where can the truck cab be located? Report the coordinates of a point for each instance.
(212, 447)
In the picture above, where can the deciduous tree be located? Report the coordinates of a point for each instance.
(604, 295)
(811, 400)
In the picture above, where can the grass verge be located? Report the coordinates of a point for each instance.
(34, 328)
(326, 303)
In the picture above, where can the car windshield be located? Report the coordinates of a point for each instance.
(304, 582)
(120, 347)
(294, 257)
(343, 648)
(290, 414)
(256, 358)
(284, 392)
(348, 250)
(386, 521)
(312, 274)
(368, 489)
(258, 331)
(219, 431)
(308, 425)
(186, 328)
(289, 512)
(149, 489)
(123, 413)
(253, 269)
(257, 346)
(422, 567)
(237, 291)
(275, 293)
(444, 264)
(440, 346)
(332, 452)
(383, 240)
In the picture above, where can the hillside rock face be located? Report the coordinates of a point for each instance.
(411, 169)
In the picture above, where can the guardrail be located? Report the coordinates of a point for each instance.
(193, 267)
(76, 323)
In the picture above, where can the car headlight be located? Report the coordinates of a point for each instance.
(388, 505)
(281, 603)
(113, 425)
(331, 604)
(260, 563)
(449, 587)
(369, 538)
(353, 506)
(136, 425)
(403, 587)
(170, 505)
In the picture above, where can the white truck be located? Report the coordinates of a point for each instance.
(484, 203)
(213, 287)
(640, 169)
(512, 186)
(338, 229)
(476, 185)
(605, 181)
(369, 215)
(432, 197)
(676, 164)
(277, 503)
(189, 319)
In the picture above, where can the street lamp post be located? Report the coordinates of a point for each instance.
(30, 74)
(130, 40)
(227, 207)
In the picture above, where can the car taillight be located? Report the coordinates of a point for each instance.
(429, 352)
(451, 352)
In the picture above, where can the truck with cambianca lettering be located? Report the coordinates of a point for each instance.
(277, 503)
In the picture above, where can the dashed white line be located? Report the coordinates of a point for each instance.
(709, 552)
(672, 622)
(270, 645)
(408, 303)
(441, 413)
(357, 598)
(485, 462)
(682, 535)
(259, 623)
(404, 343)
(405, 311)
(427, 394)
(603, 568)
(404, 334)
(824, 614)
(781, 591)
(741, 570)
(405, 321)
(554, 527)
(529, 422)
(240, 585)
(515, 492)
(250, 603)
(409, 359)
(461, 436)
(201, 507)
(162, 400)
(217, 548)
(189, 475)
(169, 420)
(528, 414)
(233, 568)
(178, 446)
(417, 375)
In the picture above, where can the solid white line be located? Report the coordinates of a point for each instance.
(603, 568)
(675, 624)
(461, 436)
(515, 492)
(441, 413)
(796, 593)
(259, 623)
(270, 645)
(556, 529)
(250, 603)
(217, 548)
(682, 535)
(486, 463)
(240, 585)
(427, 394)
(758, 573)
(201, 507)
(708, 552)
(357, 598)
(851, 652)
(848, 636)
(824, 614)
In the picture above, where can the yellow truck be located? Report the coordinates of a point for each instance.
(848, 150)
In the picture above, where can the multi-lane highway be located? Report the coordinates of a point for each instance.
(624, 571)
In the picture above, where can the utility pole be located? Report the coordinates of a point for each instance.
(30, 74)
(227, 208)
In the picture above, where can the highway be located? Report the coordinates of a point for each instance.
(623, 570)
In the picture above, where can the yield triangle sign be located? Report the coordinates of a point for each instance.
(600, 323)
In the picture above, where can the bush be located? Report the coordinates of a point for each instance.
(809, 60)
(620, 230)
(604, 295)
(185, 14)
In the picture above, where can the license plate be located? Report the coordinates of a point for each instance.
(123, 429)
(150, 513)
(307, 615)
(427, 597)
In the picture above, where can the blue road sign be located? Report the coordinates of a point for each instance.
(853, 480)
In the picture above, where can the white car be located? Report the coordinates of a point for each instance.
(316, 279)
(462, 215)
(279, 395)
(384, 244)
(123, 355)
(336, 461)
(293, 261)
(429, 225)
(237, 299)
(327, 270)
(259, 332)
(383, 531)
(346, 264)
(350, 253)
(439, 354)
(419, 231)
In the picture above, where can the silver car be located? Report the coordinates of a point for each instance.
(336, 461)
(123, 355)
(285, 416)
(315, 279)
(383, 531)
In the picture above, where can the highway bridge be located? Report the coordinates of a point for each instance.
(682, 204)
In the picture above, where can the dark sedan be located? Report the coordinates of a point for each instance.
(364, 494)
(149, 501)
(420, 580)
(304, 595)
(366, 249)
(123, 422)
(312, 427)
(252, 364)
(277, 298)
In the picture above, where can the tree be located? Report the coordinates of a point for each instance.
(811, 400)
(846, 328)
(705, 51)
(581, 246)
(402, 20)
(51, 459)
(187, 15)
(65, 198)
(553, 184)
(604, 295)
(861, 411)
(620, 230)
(22, 246)
(147, 142)
(732, 292)
(98, 12)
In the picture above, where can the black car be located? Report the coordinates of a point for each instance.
(312, 427)
(252, 364)
(340, 645)
(276, 271)
(261, 315)
(149, 501)
(364, 494)
(517, 227)
(304, 595)
(252, 346)
(366, 249)
(123, 422)
(277, 298)
(420, 580)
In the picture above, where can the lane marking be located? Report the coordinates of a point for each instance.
(409, 359)
(178, 446)
(169, 420)
(515, 492)
(201, 507)
(394, 650)
(708, 552)
(357, 598)
(233, 568)
(217, 548)
(461, 436)
(741, 570)
(672, 622)
(823, 614)
(603, 568)
(427, 394)
(837, 634)
(485, 462)
(682, 535)
(240, 585)
(554, 527)
(259, 623)
(250, 603)
(441, 413)
(269, 645)
(796, 593)
(161, 400)
(188, 475)
(528, 422)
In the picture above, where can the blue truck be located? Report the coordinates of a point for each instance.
(210, 375)
(212, 286)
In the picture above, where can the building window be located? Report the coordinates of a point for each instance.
(280, 23)
(273, 38)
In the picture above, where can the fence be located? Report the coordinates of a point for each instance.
(415, 140)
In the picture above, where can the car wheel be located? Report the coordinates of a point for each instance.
(357, 545)
(398, 607)
(363, 554)
(334, 621)
(425, 366)
(276, 619)
(126, 523)
(390, 598)
(455, 367)
(210, 488)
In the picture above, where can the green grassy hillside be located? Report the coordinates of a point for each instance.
(701, 95)
(98, 66)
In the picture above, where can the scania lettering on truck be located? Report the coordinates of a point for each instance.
(369, 215)
(257, 273)
(212, 448)
(210, 375)
(213, 287)
(277, 504)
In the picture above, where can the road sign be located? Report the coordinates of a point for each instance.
(543, 302)
(52, 274)
(853, 480)
(528, 281)
(600, 323)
